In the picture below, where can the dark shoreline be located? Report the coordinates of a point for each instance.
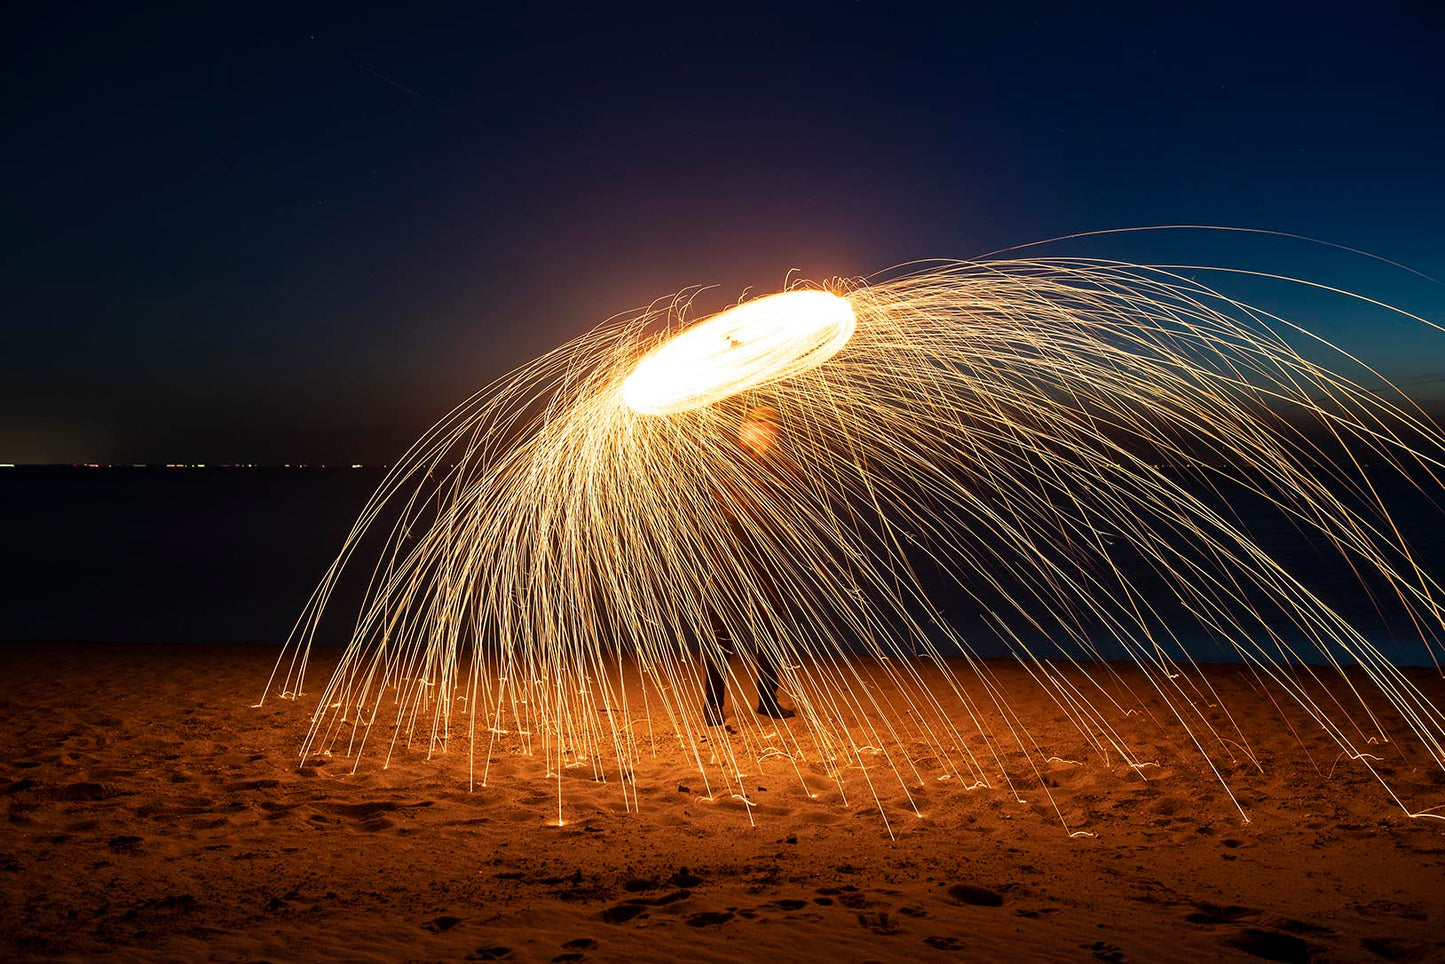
(231, 555)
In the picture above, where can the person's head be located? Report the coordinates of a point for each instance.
(759, 430)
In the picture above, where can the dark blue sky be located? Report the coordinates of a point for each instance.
(305, 236)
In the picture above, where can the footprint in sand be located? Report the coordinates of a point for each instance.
(668, 898)
(975, 896)
(684, 878)
(1208, 913)
(1273, 946)
(1104, 952)
(621, 914)
(127, 844)
(440, 924)
(638, 885)
(242, 786)
(944, 943)
(83, 792)
(879, 923)
(1394, 949)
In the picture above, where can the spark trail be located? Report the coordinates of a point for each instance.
(1038, 431)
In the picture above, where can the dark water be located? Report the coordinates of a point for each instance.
(231, 555)
(169, 555)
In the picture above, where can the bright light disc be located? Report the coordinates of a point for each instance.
(757, 342)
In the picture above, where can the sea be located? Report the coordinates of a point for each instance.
(213, 555)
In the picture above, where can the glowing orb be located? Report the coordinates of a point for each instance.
(761, 341)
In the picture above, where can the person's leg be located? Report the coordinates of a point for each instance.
(768, 704)
(715, 659)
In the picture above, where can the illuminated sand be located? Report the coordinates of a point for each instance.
(151, 813)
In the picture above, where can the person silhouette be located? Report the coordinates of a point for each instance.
(765, 472)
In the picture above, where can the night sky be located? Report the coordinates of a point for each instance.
(233, 238)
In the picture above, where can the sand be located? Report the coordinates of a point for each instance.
(152, 813)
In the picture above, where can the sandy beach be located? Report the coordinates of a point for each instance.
(153, 813)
